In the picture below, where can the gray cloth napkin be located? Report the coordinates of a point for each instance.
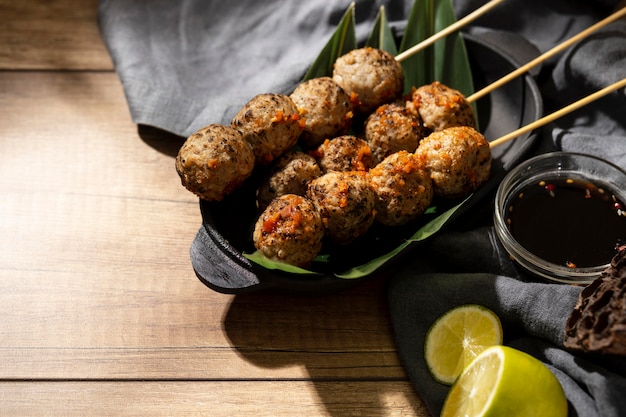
(185, 64)
(467, 264)
(533, 316)
(189, 63)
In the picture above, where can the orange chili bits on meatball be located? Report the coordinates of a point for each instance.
(458, 160)
(441, 107)
(289, 174)
(271, 124)
(403, 188)
(214, 161)
(289, 230)
(345, 202)
(344, 153)
(371, 75)
(392, 128)
(326, 107)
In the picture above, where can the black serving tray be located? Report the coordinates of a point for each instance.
(226, 232)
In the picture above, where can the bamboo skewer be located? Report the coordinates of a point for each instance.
(445, 32)
(553, 116)
(546, 55)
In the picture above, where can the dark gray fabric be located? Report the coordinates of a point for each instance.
(533, 316)
(189, 63)
(185, 64)
(466, 263)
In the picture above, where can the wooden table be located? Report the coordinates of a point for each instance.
(102, 313)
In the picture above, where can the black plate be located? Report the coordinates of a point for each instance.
(216, 252)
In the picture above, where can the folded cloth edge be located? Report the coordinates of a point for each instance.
(539, 310)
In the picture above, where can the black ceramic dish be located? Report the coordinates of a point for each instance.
(216, 252)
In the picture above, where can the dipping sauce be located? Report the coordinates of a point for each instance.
(568, 222)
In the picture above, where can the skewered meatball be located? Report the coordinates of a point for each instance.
(344, 153)
(440, 107)
(403, 188)
(289, 230)
(326, 108)
(290, 174)
(458, 160)
(392, 128)
(345, 202)
(271, 124)
(373, 75)
(214, 161)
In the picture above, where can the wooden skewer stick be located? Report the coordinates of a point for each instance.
(618, 14)
(445, 32)
(553, 116)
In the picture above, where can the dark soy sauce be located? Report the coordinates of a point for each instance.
(568, 222)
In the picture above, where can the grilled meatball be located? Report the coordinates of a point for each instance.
(346, 203)
(289, 230)
(458, 160)
(370, 75)
(271, 124)
(214, 161)
(344, 153)
(290, 174)
(403, 188)
(392, 128)
(440, 107)
(326, 108)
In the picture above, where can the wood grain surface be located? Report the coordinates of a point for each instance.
(101, 311)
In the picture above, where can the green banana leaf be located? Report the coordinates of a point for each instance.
(381, 36)
(451, 64)
(445, 61)
(260, 259)
(342, 41)
(423, 233)
(420, 26)
(371, 266)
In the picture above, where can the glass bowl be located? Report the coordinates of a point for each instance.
(552, 176)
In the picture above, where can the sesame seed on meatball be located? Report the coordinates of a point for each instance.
(370, 75)
(344, 153)
(458, 160)
(290, 174)
(271, 124)
(403, 188)
(214, 161)
(326, 108)
(392, 128)
(346, 204)
(289, 230)
(440, 107)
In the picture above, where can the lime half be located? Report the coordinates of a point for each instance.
(503, 381)
(457, 337)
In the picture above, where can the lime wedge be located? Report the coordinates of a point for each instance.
(457, 337)
(502, 381)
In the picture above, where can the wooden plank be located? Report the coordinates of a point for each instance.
(102, 313)
(215, 399)
(95, 278)
(51, 34)
(210, 363)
